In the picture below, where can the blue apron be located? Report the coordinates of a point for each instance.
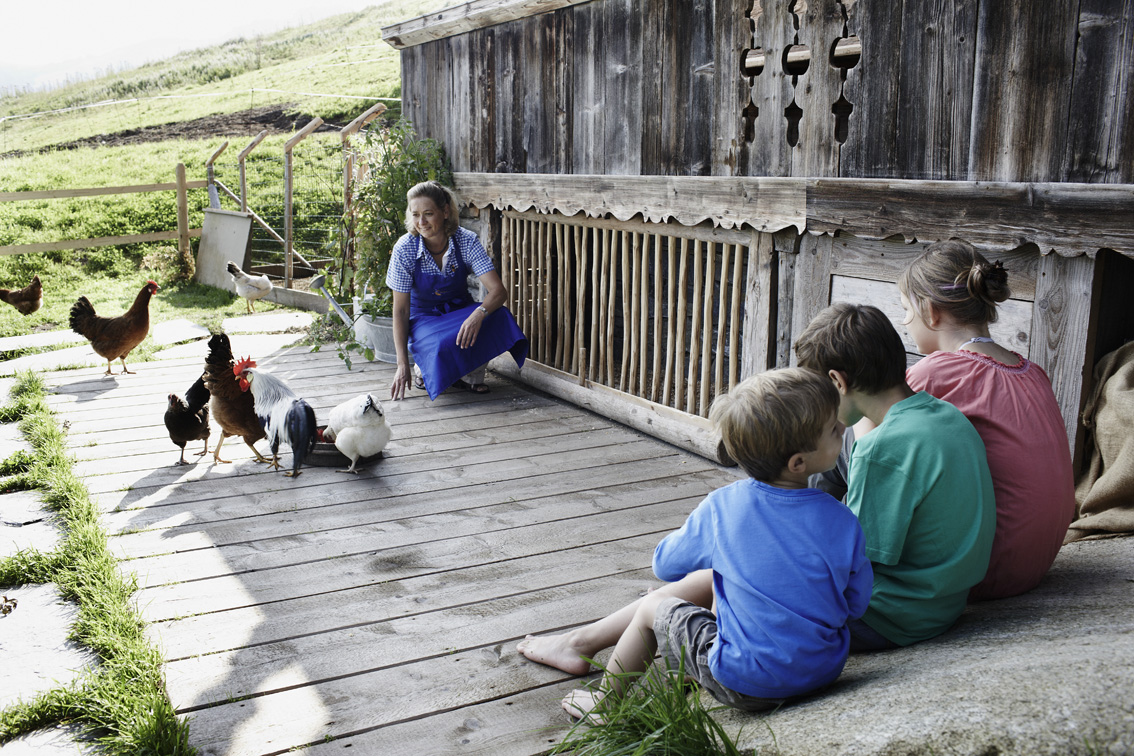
(439, 305)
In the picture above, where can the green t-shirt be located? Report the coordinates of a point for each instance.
(920, 486)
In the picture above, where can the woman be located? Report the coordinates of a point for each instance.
(451, 337)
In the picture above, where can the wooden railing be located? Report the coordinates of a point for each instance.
(652, 310)
(182, 233)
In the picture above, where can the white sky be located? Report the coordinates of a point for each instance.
(42, 42)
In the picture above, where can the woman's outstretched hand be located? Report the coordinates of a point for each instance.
(400, 383)
(466, 337)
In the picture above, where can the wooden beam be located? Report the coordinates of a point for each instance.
(687, 431)
(467, 17)
(98, 191)
(1067, 218)
(767, 204)
(353, 127)
(102, 241)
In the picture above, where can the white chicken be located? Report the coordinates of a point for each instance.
(358, 428)
(249, 287)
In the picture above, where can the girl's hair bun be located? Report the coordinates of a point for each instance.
(957, 280)
(988, 281)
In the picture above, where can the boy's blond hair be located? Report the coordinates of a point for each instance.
(769, 417)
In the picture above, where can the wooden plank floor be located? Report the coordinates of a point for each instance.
(378, 612)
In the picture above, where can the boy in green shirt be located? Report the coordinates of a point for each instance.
(918, 483)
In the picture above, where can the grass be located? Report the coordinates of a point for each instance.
(340, 55)
(122, 700)
(658, 716)
(111, 280)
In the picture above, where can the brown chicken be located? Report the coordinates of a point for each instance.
(114, 338)
(231, 408)
(27, 300)
(188, 419)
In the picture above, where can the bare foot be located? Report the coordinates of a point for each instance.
(554, 651)
(581, 703)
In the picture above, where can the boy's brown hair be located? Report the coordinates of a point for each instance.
(769, 417)
(858, 340)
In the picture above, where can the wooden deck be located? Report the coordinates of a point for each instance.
(381, 612)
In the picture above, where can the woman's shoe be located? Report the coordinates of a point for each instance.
(476, 388)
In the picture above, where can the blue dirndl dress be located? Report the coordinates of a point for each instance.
(439, 304)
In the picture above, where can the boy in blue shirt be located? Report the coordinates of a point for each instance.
(918, 483)
(768, 571)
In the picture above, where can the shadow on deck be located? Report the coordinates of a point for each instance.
(377, 612)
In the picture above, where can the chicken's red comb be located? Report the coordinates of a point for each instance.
(243, 365)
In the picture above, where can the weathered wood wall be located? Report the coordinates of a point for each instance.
(951, 89)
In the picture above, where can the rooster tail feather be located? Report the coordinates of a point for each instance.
(301, 435)
(81, 314)
(198, 395)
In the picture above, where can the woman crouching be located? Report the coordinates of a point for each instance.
(450, 336)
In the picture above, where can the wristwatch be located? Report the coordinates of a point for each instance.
(482, 309)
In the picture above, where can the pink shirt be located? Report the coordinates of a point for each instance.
(1014, 410)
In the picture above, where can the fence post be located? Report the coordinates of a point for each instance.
(348, 131)
(288, 147)
(183, 219)
(243, 175)
(210, 177)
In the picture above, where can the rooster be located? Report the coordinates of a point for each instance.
(188, 419)
(114, 338)
(249, 287)
(359, 429)
(230, 408)
(283, 414)
(27, 300)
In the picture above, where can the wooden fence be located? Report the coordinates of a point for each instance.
(182, 233)
(651, 310)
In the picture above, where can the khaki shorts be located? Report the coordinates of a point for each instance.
(682, 627)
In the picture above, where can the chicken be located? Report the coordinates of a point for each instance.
(114, 338)
(188, 419)
(249, 287)
(359, 429)
(231, 409)
(27, 300)
(283, 414)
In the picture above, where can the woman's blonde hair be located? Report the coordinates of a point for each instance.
(958, 281)
(769, 417)
(442, 196)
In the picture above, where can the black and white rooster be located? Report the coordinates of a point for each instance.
(283, 414)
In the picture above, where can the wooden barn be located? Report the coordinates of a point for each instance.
(674, 189)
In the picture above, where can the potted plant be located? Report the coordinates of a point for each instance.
(393, 160)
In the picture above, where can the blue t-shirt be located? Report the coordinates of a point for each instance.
(789, 570)
(410, 252)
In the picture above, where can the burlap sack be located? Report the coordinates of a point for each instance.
(1105, 492)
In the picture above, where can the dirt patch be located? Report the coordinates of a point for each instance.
(243, 123)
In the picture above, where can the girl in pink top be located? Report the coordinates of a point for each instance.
(950, 295)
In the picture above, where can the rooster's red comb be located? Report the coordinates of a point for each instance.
(243, 365)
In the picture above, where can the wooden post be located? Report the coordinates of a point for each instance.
(210, 175)
(183, 219)
(243, 178)
(288, 147)
(347, 245)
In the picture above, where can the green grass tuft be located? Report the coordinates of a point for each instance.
(658, 716)
(122, 700)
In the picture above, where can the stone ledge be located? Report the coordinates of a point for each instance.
(1049, 672)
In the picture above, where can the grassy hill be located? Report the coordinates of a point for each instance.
(334, 68)
(135, 126)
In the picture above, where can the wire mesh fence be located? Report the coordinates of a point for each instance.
(317, 205)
